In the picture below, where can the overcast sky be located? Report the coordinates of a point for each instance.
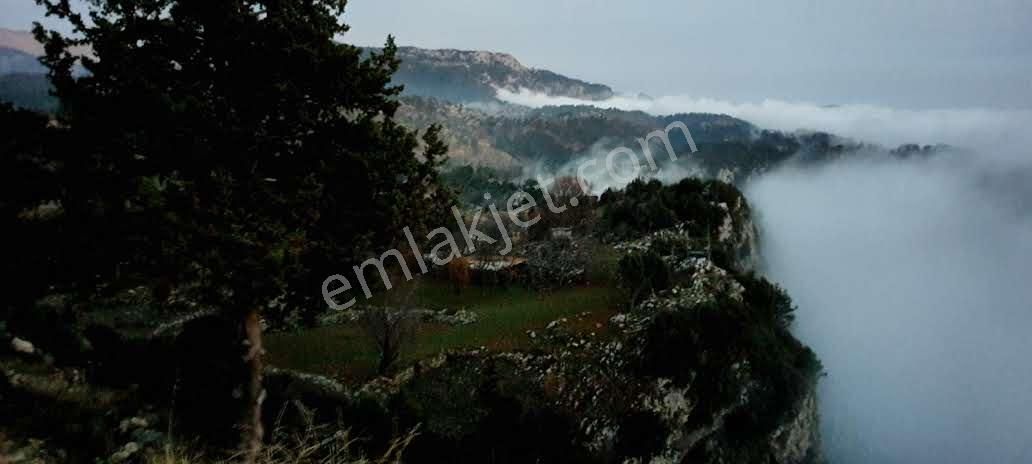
(902, 53)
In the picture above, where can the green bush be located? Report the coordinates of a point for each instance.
(644, 273)
(768, 299)
(603, 264)
(648, 206)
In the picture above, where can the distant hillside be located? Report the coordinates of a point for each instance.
(556, 134)
(23, 80)
(30, 91)
(18, 62)
(467, 76)
(499, 135)
(464, 130)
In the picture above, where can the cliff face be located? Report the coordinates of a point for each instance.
(798, 438)
(738, 232)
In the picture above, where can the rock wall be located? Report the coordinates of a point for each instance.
(798, 439)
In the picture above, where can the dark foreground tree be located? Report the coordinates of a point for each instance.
(233, 145)
(28, 186)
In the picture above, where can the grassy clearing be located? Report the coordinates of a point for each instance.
(505, 315)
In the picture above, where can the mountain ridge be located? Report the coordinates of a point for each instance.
(475, 75)
(14, 61)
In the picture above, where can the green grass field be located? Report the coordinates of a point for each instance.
(346, 353)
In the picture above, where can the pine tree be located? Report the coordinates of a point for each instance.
(235, 144)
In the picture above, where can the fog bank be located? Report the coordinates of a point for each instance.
(600, 171)
(964, 127)
(912, 280)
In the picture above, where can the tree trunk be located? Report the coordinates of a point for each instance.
(251, 440)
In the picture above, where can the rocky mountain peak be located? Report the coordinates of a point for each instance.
(453, 57)
(475, 75)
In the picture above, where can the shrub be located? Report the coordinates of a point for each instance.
(602, 265)
(645, 207)
(769, 300)
(643, 273)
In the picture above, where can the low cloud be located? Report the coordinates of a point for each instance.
(594, 167)
(890, 127)
(911, 279)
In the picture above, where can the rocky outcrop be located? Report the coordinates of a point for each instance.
(738, 232)
(692, 374)
(797, 439)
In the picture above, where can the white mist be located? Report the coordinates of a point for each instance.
(914, 286)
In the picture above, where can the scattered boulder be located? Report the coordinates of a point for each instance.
(53, 328)
(22, 346)
(455, 317)
(127, 451)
